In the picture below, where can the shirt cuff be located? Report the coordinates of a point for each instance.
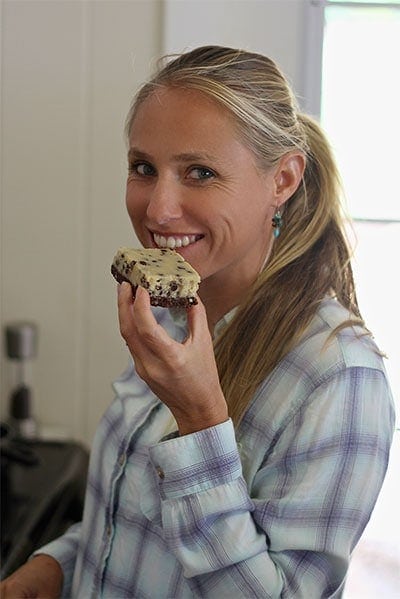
(197, 461)
(64, 550)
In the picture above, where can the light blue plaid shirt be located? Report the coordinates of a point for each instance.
(273, 510)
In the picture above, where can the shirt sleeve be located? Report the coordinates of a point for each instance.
(291, 529)
(64, 550)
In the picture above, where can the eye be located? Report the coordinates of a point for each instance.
(143, 169)
(200, 173)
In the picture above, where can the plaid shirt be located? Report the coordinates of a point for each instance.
(273, 509)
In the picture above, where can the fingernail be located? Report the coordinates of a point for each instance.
(122, 286)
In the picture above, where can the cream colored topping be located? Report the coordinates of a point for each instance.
(162, 271)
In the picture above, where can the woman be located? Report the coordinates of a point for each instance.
(247, 444)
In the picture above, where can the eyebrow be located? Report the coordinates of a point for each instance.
(183, 157)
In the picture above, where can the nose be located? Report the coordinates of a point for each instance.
(164, 203)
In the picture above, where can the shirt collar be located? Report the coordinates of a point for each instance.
(223, 322)
(179, 318)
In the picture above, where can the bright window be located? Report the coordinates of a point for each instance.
(357, 77)
(359, 110)
(360, 103)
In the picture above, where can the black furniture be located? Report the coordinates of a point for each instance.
(42, 493)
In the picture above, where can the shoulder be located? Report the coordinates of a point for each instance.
(338, 343)
(330, 345)
(337, 362)
(332, 386)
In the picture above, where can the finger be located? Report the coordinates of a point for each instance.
(124, 292)
(197, 320)
(125, 304)
(142, 298)
(147, 327)
(136, 320)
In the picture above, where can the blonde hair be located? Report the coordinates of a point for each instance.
(311, 258)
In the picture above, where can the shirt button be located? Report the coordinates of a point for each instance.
(121, 459)
(108, 531)
(160, 472)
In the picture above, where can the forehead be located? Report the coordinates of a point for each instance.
(187, 111)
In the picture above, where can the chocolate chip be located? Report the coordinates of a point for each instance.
(144, 283)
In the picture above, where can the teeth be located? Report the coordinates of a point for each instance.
(174, 242)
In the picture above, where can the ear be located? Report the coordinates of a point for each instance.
(288, 175)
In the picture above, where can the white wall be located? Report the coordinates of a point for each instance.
(69, 68)
(272, 27)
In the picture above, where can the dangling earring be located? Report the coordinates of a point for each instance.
(277, 223)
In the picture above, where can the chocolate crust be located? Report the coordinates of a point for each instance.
(164, 302)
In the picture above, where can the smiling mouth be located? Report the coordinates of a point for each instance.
(175, 241)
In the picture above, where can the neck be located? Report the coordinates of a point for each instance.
(225, 290)
(219, 298)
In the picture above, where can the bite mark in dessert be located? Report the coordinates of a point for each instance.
(168, 278)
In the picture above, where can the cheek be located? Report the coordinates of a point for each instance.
(135, 207)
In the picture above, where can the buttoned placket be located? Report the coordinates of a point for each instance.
(160, 472)
(109, 519)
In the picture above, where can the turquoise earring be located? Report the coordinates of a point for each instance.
(277, 223)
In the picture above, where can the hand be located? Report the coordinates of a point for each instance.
(40, 578)
(183, 375)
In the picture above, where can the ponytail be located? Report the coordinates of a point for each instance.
(309, 261)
